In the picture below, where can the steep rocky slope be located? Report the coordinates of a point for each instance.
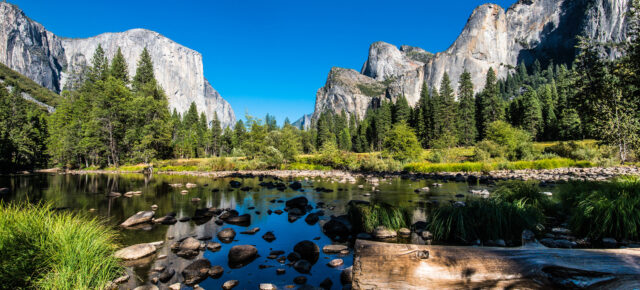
(304, 123)
(27, 47)
(492, 38)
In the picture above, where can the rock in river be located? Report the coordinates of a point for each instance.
(334, 249)
(308, 250)
(244, 219)
(135, 252)
(302, 266)
(138, 218)
(216, 271)
(383, 233)
(242, 255)
(230, 284)
(196, 272)
(269, 237)
(336, 263)
(300, 202)
(226, 235)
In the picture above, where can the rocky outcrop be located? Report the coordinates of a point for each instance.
(304, 123)
(492, 38)
(54, 62)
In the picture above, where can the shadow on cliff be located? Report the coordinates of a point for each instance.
(559, 43)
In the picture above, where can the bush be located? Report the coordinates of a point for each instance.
(485, 150)
(402, 144)
(44, 249)
(484, 219)
(515, 144)
(365, 217)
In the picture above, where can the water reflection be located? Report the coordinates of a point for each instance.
(89, 191)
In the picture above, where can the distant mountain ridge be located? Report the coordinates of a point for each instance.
(51, 61)
(492, 38)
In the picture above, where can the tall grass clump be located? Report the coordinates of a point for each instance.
(483, 219)
(525, 192)
(604, 209)
(41, 248)
(365, 217)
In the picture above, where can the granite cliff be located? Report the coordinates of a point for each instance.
(492, 38)
(51, 61)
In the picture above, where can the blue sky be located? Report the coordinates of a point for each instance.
(268, 56)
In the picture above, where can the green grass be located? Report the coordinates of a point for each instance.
(25, 84)
(41, 248)
(427, 167)
(484, 219)
(366, 217)
(127, 168)
(604, 209)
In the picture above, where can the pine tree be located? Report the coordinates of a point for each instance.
(119, 69)
(492, 104)
(531, 111)
(466, 126)
(144, 71)
(445, 116)
(401, 110)
(548, 111)
(99, 66)
(216, 135)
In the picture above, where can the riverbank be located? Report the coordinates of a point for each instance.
(558, 175)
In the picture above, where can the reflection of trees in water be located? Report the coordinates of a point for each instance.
(82, 192)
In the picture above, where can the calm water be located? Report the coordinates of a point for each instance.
(85, 192)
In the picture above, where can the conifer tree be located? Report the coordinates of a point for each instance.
(492, 104)
(401, 110)
(119, 69)
(466, 125)
(99, 65)
(144, 71)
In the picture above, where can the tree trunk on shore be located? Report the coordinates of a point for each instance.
(401, 266)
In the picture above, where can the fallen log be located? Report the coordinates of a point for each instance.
(379, 265)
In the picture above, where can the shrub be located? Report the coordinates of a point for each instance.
(365, 217)
(514, 143)
(44, 249)
(485, 150)
(373, 163)
(402, 144)
(484, 219)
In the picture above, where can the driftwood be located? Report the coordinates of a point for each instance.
(401, 266)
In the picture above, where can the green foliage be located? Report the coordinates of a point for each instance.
(401, 143)
(365, 217)
(23, 133)
(106, 123)
(466, 121)
(483, 219)
(515, 144)
(525, 192)
(426, 167)
(24, 84)
(604, 209)
(41, 248)
(371, 90)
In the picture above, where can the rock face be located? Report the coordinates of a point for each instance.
(54, 62)
(492, 38)
(304, 123)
